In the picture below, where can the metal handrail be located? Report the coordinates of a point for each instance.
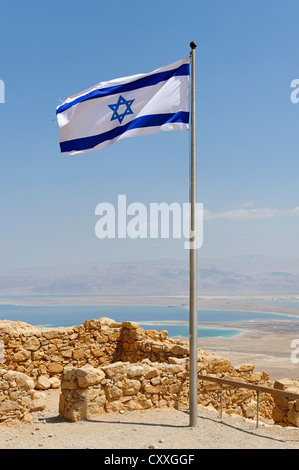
(257, 388)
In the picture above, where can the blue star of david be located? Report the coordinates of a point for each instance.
(115, 107)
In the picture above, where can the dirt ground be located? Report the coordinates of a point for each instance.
(163, 429)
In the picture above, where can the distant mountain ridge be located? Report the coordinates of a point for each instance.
(239, 275)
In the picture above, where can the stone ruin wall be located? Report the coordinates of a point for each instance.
(104, 366)
(18, 397)
(87, 392)
(44, 352)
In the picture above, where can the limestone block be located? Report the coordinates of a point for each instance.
(136, 370)
(76, 413)
(293, 417)
(22, 381)
(88, 375)
(114, 335)
(115, 371)
(283, 384)
(50, 334)
(131, 387)
(69, 374)
(254, 377)
(4, 384)
(55, 368)
(67, 353)
(8, 405)
(210, 386)
(250, 409)
(163, 335)
(244, 367)
(22, 355)
(218, 364)
(171, 369)
(155, 380)
(178, 350)
(157, 389)
(176, 388)
(43, 383)
(103, 339)
(77, 353)
(54, 382)
(278, 414)
(282, 402)
(38, 403)
(130, 324)
(113, 392)
(96, 351)
(151, 372)
(107, 322)
(95, 408)
(32, 344)
(153, 334)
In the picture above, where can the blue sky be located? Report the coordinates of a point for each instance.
(247, 127)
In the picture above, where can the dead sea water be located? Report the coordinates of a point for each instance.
(149, 317)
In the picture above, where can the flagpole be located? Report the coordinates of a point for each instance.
(193, 408)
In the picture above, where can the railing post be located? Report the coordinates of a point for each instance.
(257, 408)
(221, 389)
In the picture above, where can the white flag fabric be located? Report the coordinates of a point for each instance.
(125, 107)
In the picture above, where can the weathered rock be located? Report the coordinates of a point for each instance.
(54, 382)
(43, 383)
(115, 371)
(286, 411)
(218, 364)
(87, 376)
(282, 384)
(293, 417)
(130, 324)
(38, 402)
(244, 367)
(22, 381)
(55, 368)
(131, 387)
(22, 355)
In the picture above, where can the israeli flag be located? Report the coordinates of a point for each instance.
(125, 107)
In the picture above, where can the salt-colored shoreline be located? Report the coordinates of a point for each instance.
(208, 302)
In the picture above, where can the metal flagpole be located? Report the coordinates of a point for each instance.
(193, 409)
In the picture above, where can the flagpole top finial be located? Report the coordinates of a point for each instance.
(193, 45)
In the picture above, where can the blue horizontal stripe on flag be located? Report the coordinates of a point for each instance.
(149, 80)
(86, 143)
